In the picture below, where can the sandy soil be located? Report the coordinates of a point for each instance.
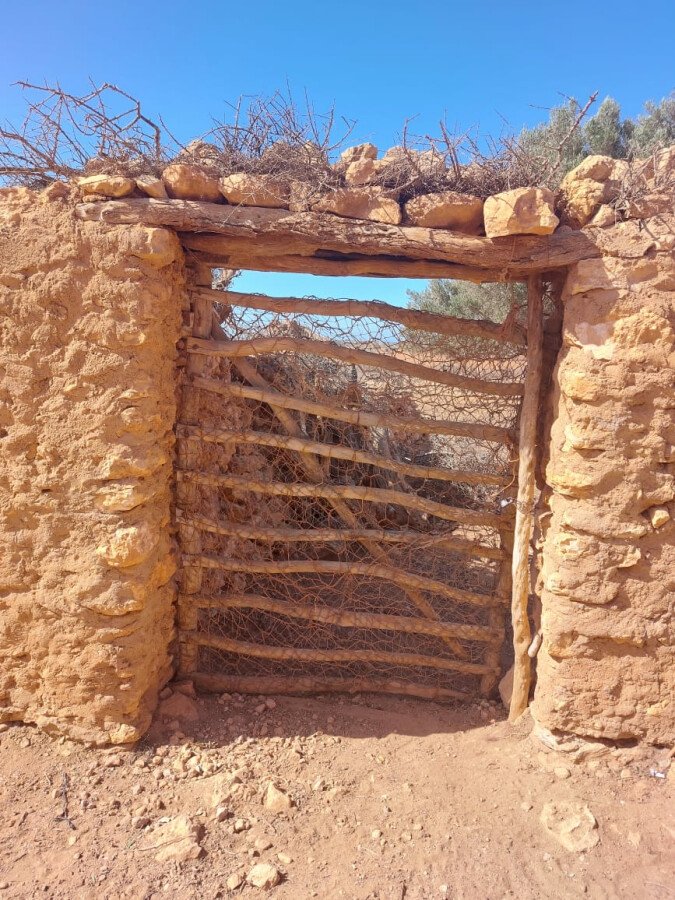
(391, 799)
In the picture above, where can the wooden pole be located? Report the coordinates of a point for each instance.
(357, 416)
(188, 492)
(434, 323)
(524, 523)
(264, 684)
(353, 492)
(339, 451)
(309, 655)
(264, 346)
(517, 255)
(421, 539)
(315, 612)
(399, 577)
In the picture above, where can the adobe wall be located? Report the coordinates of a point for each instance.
(606, 667)
(90, 320)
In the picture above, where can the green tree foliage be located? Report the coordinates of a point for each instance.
(606, 133)
(470, 301)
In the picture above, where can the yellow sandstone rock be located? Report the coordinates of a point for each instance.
(457, 212)
(373, 203)
(106, 185)
(184, 182)
(129, 546)
(255, 190)
(520, 211)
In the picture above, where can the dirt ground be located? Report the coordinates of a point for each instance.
(372, 798)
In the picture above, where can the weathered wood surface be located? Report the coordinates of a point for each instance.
(356, 416)
(322, 231)
(399, 577)
(309, 655)
(215, 252)
(341, 535)
(264, 684)
(351, 492)
(351, 355)
(339, 451)
(524, 523)
(420, 320)
(315, 612)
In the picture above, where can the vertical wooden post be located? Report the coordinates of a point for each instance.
(524, 523)
(190, 537)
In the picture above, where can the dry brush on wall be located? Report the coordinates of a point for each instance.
(90, 318)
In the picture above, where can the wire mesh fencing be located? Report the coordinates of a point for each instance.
(345, 499)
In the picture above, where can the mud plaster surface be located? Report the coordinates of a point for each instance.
(90, 319)
(606, 664)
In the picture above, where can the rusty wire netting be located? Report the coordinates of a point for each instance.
(353, 520)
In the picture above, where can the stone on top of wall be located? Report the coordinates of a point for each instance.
(185, 182)
(520, 211)
(600, 191)
(106, 185)
(457, 212)
(152, 186)
(373, 203)
(360, 152)
(255, 190)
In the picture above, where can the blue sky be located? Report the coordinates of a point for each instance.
(479, 64)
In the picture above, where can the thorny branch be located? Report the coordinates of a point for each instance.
(107, 130)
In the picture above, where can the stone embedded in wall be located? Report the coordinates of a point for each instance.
(373, 203)
(186, 182)
(158, 247)
(520, 211)
(448, 209)
(255, 190)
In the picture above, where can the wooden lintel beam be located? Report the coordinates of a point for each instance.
(510, 255)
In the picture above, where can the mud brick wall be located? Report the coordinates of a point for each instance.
(89, 319)
(606, 667)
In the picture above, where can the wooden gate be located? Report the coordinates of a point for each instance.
(345, 496)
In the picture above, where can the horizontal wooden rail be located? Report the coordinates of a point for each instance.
(514, 255)
(339, 451)
(218, 252)
(434, 323)
(331, 567)
(287, 684)
(346, 619)
(420, 539)
(352, 356)
(356, 416)
(353, 492)
(306, 655)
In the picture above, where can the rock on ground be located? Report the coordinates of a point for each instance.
(572, 824)
(175, 840)
(264, 876)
